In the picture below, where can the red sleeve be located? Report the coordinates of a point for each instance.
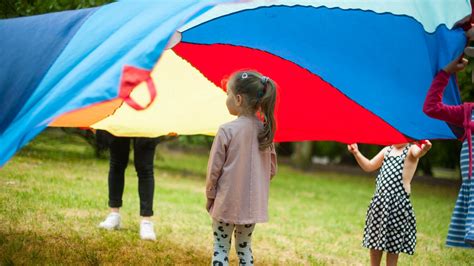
(434, 106)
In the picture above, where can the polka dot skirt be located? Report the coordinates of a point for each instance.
(391, 224)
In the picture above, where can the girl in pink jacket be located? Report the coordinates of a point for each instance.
(460, 117)
(241, 163)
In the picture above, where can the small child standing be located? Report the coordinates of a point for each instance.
(241, 163)
(390, 225)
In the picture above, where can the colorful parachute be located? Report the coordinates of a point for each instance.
(348, 71)
(60, 62)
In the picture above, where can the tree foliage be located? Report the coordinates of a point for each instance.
(20, 8)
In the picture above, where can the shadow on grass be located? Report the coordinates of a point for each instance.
(117, 248)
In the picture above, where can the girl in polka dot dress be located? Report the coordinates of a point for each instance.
(390, 225)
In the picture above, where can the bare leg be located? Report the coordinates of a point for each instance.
(392, 259)
(375, 257)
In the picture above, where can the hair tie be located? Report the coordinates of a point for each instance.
(245, 75)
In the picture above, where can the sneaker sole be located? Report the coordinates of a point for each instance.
(110, 228)
(148, 239)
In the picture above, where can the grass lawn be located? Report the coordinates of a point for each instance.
(54, 193)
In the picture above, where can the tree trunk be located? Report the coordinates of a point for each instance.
(301, 157)
(426, 167)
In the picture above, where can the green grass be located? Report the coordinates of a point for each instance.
(54, 193)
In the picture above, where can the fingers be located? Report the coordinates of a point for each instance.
(427, 145)
(470, 34)
(462, 63)
(457, 64)
(352, 147)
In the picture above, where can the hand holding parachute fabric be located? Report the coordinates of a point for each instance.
(347, 71)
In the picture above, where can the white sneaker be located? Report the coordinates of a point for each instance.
(112, 221)
(146, 230)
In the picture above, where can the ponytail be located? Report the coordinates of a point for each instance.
(267, 107)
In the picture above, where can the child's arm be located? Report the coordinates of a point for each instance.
(216, 162)
(434, 106)
(274, 165)
(418, 152)
(366, 164)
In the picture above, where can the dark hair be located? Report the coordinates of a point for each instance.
(259, 94)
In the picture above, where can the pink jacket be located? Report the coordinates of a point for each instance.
(458, 115)
(239, 173)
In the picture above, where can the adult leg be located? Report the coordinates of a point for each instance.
(392, 259)
(222, 239)
(375, 257)
(119, 150)
(243, 243)
(144, 156)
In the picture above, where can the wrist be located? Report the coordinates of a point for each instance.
(448, 71)
(443, 71)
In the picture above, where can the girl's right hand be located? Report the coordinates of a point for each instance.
(209, 204)
(353, 148)
(456, 65)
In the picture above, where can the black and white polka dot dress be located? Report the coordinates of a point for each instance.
(391, 224)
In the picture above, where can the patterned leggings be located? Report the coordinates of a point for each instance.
(222, 240)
